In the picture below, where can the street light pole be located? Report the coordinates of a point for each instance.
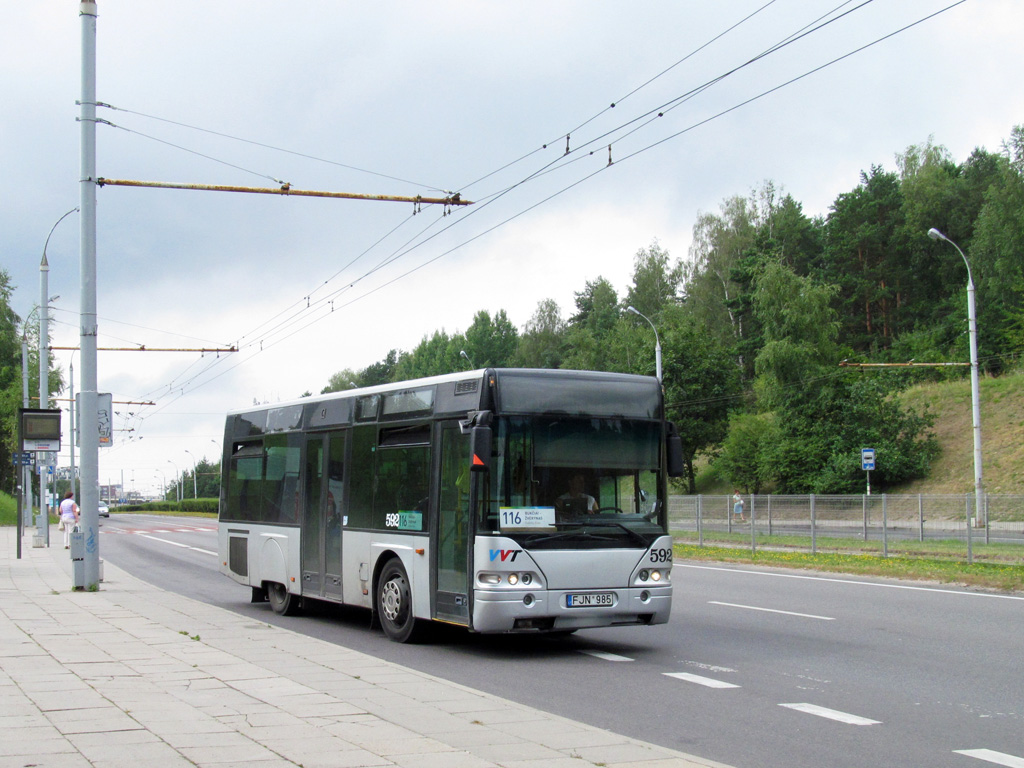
(195, 482)
(177, 481)
(657, 340)
(972, 326)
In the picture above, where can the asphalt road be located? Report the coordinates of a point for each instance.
(758, 668)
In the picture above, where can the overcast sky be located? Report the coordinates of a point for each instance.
(411, 99)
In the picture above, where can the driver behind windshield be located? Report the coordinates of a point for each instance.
(576, 500)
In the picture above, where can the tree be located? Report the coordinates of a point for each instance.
(597, 315)
(719, 243)
(702, 384)
(800, 330)
(867, 259)
(740, 460)
(382, 372)
(542, 342)
(655, 281)
(12, 332)
(997, 252)
(491, 343)
(10, 380)
(434, 355)
(341, 381)
(824, 415)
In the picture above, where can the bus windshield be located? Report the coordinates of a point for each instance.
(580, 483)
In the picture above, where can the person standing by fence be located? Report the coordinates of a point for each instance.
(737, 506)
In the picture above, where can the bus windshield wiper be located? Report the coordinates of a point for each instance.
(609, 523)
(580, 533)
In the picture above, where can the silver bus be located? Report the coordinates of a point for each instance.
(500, 500)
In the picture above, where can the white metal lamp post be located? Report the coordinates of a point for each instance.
(163, 484)
(657, 340)
(195, 482)
(972, 326)
(177, 479)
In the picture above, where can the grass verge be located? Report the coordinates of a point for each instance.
(953, 549)
(995, 576)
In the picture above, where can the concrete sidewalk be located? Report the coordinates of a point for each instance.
(133, 675)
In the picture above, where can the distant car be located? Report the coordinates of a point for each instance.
(104, 509)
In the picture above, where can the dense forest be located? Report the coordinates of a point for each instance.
(756, 320)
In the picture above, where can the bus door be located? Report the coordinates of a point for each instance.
(322, 522)
(451, 544)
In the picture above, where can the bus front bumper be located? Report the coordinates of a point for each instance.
(505, 610)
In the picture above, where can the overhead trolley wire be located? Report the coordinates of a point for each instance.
(587, 177)
(431, 187)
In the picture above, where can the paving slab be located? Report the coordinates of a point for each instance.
(132, 675)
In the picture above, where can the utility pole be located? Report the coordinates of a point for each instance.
(88, 417)
(42, 537)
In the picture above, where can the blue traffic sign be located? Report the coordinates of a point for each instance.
(867, 458)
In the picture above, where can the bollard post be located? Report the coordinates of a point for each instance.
(920, 517)
(77, 542)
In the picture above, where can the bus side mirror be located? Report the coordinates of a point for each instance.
(480, 448)
(674, 452)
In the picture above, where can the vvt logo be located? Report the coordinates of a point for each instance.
(505, 554)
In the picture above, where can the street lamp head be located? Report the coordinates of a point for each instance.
(934, 234)
(633, 309)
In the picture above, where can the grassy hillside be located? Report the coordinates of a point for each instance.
(1002, 427)
(1002, 438)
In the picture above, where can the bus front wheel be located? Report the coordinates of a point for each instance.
(394, 603)
(281, 600)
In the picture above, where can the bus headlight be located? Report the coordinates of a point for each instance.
(513, 579)
(489, 578)
(655, 575)
(643, 575)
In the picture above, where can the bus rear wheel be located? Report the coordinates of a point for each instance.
(281, 600)
(394, 603)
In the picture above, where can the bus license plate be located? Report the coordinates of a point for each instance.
(590, 600)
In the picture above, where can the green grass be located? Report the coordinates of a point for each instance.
(8, 509)
(986, 575)
(140, 510)
(952, 549)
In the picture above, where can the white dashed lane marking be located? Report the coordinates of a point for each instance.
(607, 656)
(772, 610)
(707, 682)
(832, 714)
(991, 756)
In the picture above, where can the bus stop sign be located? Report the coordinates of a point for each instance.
(867, 458)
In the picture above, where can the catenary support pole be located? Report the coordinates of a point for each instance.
(88, 417)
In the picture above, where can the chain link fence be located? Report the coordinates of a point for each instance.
(945, 524)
